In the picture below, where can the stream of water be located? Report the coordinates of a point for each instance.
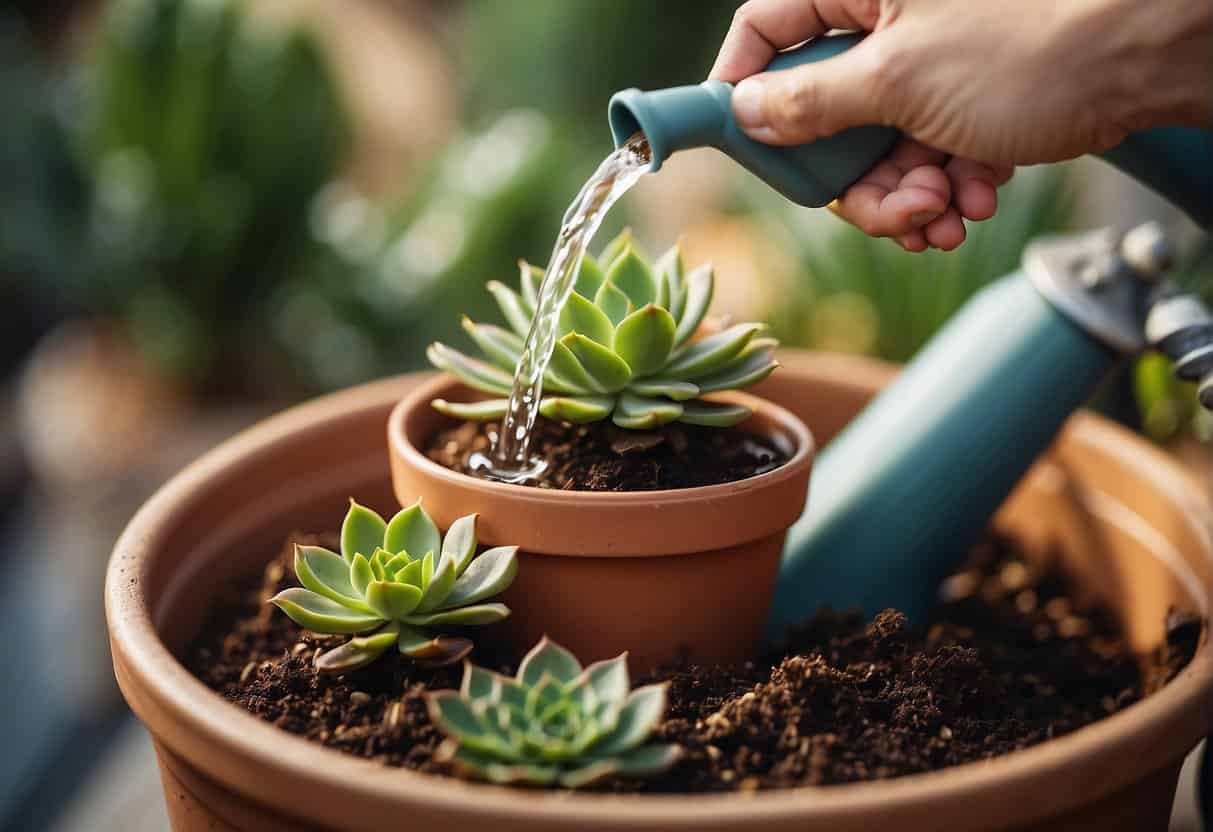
(510, 459)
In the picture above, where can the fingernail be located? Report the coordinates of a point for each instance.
(922, 218)
(747, 102)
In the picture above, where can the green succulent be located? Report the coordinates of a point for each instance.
(395, 582)
(554, 722)
(626, 350)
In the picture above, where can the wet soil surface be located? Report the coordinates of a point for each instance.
(602, 457)
(1009, 660)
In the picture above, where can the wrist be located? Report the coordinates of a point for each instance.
(1166, 62)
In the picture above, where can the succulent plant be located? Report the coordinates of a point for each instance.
(626, 351)
(394, 583)
(554, 722)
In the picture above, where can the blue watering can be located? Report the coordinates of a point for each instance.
(903, 492)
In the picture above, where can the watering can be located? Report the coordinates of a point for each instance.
(904, 491)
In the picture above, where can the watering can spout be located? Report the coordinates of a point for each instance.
(812, 174)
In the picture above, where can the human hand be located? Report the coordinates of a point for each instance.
(977, 86)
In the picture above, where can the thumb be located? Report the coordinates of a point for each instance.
(799, 105)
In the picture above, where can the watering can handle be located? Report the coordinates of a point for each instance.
(1177, 162)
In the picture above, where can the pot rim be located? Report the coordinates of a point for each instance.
(177, 707)
(420, 396)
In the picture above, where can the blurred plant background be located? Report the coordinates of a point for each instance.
(213, 208)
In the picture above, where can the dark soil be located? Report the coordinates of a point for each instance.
(602, 457)
(1009, 660)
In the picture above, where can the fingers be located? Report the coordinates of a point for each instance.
(902, 194)
(947, 232)
(808, 102)
(920, 199)
(760, 28)
(975, 187)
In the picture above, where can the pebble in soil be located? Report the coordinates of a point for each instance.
(602, 457)
(1010, 660)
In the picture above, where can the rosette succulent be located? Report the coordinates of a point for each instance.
(553, 723)
(396, 582)
(627, 348)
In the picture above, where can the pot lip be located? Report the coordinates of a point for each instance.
(796, 465)
(181, 707)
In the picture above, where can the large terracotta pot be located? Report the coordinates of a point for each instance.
(1127, 518)
(650, 572)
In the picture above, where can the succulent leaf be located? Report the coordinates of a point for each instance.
(608, 371)
(474, 373)
(480, 684)
(459, 544)
(411, 530)
(393, 566)
(714, 414)
(438, 588)
(548, 658)
(511, 307)
(609, 679)
(700, 287)
(671, 273)
(530, 278)
(671, 388)
(582, 316)
(588, 774)
(589, 277)
(378, 561)
(488, 575)
(551, 722)
(327, 574)
(361, 531)
(433, 650)
(644, 339)
(614, 249)
(361, 574)
(357, 652)
(760, 343)
(487, 768)
(455, 715)
(630, 274)
(500, 346)
(637, 719)
(392, 601)
(712, 353)
(613, 303)
(412, 574)
(641, 413)
(469, 616)
(313, 611)
(485, 411)
(638, 762)
(578, 410)
(568, 368)
(744, 372)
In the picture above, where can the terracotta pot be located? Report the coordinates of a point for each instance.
(651, 572)
(1128, 520)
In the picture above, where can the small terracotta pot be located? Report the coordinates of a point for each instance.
(1124, 516)
(649, 572)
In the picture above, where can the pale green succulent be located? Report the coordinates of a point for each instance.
(554, 722)
(395, 583)
(627, 349)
